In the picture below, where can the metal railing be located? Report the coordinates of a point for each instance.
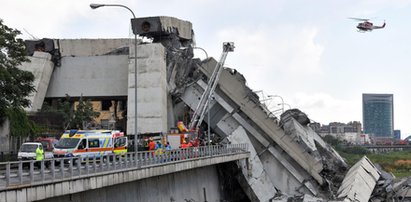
(16, 175)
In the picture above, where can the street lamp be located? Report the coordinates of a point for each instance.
(95, 6)
(282, 100)
(184, 48)
(202, 50)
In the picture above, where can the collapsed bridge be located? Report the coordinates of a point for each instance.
(288, 159)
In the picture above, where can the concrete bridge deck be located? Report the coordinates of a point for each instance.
(17, 184)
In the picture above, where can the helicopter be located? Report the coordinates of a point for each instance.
(366, 25)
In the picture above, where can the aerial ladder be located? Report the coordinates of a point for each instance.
(201, 108)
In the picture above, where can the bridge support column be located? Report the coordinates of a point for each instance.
(151, 90)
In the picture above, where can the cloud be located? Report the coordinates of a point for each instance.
(288, 49)
(325, 108)
(62, 19)
(39, 18)
(270, 56)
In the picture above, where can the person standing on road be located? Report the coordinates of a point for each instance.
(39, 153)
(168, 146)
(151, 144)
(167, 152)
(159, 148)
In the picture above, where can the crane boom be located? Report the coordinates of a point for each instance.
(201, 108)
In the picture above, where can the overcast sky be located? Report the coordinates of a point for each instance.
(308, 52)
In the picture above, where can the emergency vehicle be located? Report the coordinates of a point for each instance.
(181, 137)
(90, 143)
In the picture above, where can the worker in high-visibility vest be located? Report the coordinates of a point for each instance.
(159, 148)
(39, 153)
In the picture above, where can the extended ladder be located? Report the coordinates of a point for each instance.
(201, 108)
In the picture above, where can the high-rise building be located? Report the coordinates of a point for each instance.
(378, 114)
(397, 134)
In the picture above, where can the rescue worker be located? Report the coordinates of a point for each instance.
(39, 153)
(168, 146)
(151, 144)
(146, 141)
(159, 148)
(158, 145)
(167, 152)
(39, 156)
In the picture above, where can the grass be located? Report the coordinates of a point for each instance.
(399, 162)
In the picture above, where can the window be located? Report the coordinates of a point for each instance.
(67, 143)
(105, 105)
(82, 144)
(28, 148)
(122, 105)
(120, 142)
(45, 144)
(93, 143)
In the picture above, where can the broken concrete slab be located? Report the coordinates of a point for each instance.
(90, 47)
(359, 182)
(325, 161)
(42, 68)
(254, 172)
(285, 174)
(233, 86)
(162, 25)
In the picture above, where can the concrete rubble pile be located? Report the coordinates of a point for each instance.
(320, 172)
(397, 191)
(388, 188)
(289, 161)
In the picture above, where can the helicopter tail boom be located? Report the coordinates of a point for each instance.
(379, 27)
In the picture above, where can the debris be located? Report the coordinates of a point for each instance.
(359, 182)
(297, 114)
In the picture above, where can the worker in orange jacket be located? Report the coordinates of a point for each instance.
(151, 144)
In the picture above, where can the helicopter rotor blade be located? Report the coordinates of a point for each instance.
(360, 19)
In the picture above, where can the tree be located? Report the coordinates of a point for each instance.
(83, 114)
(74, 117)
(332, 140)
(15, 84)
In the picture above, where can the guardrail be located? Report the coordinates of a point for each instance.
(50, 170)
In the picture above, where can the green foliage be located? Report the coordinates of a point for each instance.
(332, 140)
(83, 113)
(355, 150)
(15, 84)
(20, 125)
(37, 130)
(390, 157)
(351, 159)
(388, 161)
(62, 107)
